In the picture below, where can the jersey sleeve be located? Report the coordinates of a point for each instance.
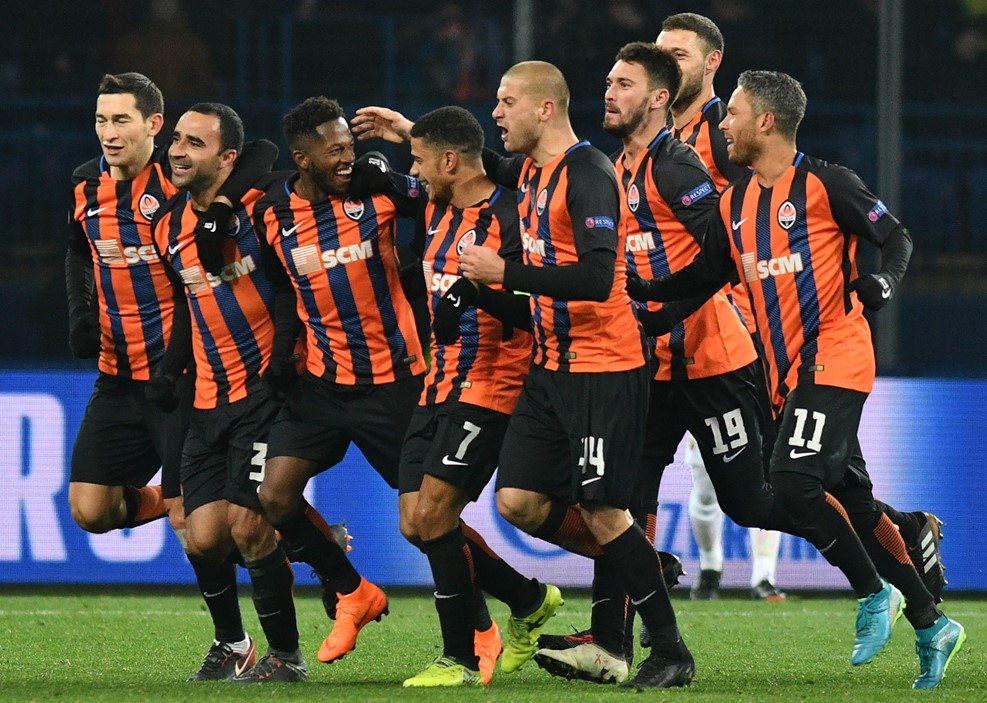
(594, 205)
(503, 170)
(689, 191)
(855, 209)
(406, 193)
(510, 235)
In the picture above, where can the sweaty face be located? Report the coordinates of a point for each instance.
(516, 114)
(126, 137)
(687, 50)
(740, 129)
(426, 166)
(195, 152)
(330, 157)
(626, 99)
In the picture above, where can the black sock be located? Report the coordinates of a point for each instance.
(878, 535)
(609, 608)
(500, 579)
(905, 522)
(636, 564)
(481, 614)
(217, 584)
(822, 521)
(273, 580)
(454, 595)
(311, 545)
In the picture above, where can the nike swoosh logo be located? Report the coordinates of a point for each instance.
(886, 293)
(730, 457)
(91, 212)
(217, 593)
(598, 602)
(443, 596)
(434, 231)
(241, 666)
(638, 602)
(736, 225)
(796, 454)
(452, 462)
(591, 480)
(285, 232)
(173, 249)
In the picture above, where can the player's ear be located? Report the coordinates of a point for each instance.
(228, 157)
(157, 122)
(660, 98)
(713, 60)
(546, 110)
(450, 160)
(300, 158)
(767, 121)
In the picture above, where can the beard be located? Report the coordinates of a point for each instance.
(690, 88)
(627, 126)
(746, 150)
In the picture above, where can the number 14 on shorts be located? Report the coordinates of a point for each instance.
(592, 462)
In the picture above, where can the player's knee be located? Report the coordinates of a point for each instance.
(517, 509)
(93, 517)
(251, 534)
(799, 495)
(277, 505)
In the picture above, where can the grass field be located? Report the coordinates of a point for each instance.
(129, 645)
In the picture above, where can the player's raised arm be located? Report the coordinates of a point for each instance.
(374, 122)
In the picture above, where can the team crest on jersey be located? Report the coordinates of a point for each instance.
(633, 197)
(148, 205)
(353, 209)
(542, 201)
(467, 240)
(787, 214)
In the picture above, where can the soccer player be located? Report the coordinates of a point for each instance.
(576, 433)
(363, 361)
(478, 366)
(789, 231)
(124, 437)
(697, 45)
(242, 315)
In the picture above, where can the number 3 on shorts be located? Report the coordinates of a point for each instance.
(260, 458)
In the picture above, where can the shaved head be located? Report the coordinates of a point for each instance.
(542, 81)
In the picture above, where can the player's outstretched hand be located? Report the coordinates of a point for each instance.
(373, 122)
(873, 289)
(637, 288)
(451, 306)
(84, 337)
(211, 234)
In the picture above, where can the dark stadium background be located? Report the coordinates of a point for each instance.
(263, 57)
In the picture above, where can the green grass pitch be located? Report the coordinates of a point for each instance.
(140, 645)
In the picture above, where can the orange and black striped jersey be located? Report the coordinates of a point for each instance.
(794, 246)
(568, 207)
(341, 256)
(112, 219)
(481, 368)
(703, 134)
(232, 313)
(668, 199)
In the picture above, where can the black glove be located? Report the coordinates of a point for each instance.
(84, 337)
(211, 234)
(371, 174)
(656, 322)
(873, 289)
(280, 376)
(637, 288)
(413, 281)
(452, 305)
(161, 390)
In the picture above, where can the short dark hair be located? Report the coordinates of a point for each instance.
(663, 71)
(450, 126)
(777, 93)
(230, 124)
(704, 27)
(147, 95)
(304, 119)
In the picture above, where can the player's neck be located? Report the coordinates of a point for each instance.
(306, 188)
(130, 171)
(681, 116)
(554, 141)
(203, 199)
(774, 161)
(471, 190)
(642, 137)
